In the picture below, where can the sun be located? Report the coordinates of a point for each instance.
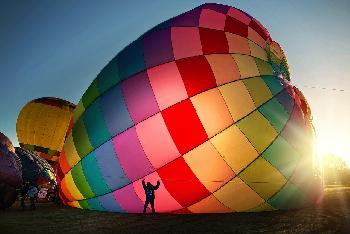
(338, 146)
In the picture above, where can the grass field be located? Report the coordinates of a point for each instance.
(331, 216)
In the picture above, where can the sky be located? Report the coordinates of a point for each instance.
(56, 48)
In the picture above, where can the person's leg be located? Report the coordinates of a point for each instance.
(152, 205)
(145, 206)
(32, 203)
(23, 197)
(2, 196)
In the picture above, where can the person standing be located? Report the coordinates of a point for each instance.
(32, 191)
(150, 196)
(24, 191)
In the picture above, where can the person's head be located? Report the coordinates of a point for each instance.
(149, 184)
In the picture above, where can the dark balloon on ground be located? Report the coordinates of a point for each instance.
(35, 169)
(10, 172)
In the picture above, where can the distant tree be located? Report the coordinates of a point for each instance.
(335, 170)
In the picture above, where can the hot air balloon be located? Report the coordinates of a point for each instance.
(42, 125)
(35, 169)
(203, 103)
(10, 173)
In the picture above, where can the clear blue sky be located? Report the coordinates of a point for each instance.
(56, 48)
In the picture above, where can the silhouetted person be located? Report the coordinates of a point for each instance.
(24, 191)
(52, 193)
(149, 191)
(32, 195)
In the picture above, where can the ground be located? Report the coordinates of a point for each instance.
(331, 216)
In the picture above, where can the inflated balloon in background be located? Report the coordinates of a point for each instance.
(42, 125)
(35, 169)
(10, 172)
(203, 103)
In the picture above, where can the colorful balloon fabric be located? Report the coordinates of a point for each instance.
(202, 102)
(35, 169)
(10, 173)
(42, 125)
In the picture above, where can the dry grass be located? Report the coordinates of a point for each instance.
(331, 216)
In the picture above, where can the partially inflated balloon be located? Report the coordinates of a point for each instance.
(202, 102)
(10, 173)
(35, 170)
(42, 126)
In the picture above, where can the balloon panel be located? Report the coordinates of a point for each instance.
(203, 103)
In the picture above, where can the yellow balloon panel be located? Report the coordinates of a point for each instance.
(69, 149)
(238, 153)
(252, 125)
(239, 102)
(74, 204)
(22, 126)
(246, 66)
(42, 126)
(258, 90)
(212, 111)
(257, 51)
(215, 172)
(78, 111)
(231, 196)
(74, 191)
(263, 178)
(62, 119)
(209, 205)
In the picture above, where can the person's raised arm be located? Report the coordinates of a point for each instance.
(157, 186)
(143, 184)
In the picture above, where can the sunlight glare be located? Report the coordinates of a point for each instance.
(331, 144)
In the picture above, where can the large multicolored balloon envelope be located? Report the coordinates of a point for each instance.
(42, 126)
(10, 173)
(203, 103)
